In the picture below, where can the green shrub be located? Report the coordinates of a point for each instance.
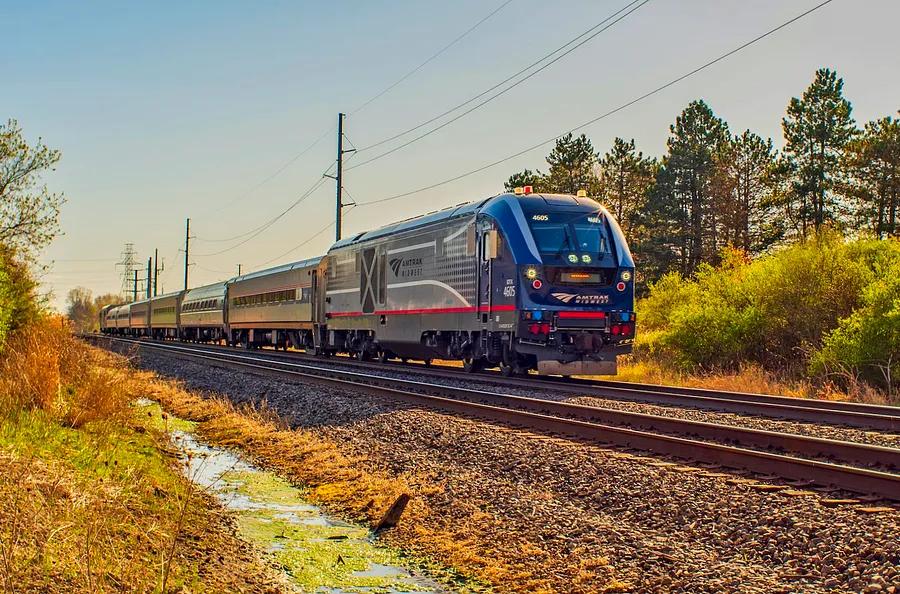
(18, 305)
(774, 311)
(866, 345)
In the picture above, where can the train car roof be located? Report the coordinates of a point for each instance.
(276, 269)
(167, 295)
(206, 290)
(467, 209)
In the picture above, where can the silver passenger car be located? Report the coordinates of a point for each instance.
(203, 313)
(139, 318)
(274, 306)
(164, 315)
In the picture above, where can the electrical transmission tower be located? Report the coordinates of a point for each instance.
(128, 266)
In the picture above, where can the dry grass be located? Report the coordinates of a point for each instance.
(749, 378)
(351, 488)
(90, 499)
(45, 368)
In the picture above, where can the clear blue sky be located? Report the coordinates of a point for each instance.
(170, 110)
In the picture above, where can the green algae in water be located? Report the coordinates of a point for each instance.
(319, 553)
(154, 413)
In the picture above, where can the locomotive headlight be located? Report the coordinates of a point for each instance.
(626, 275)
(586, 259)
(573, 258)
(531, 273)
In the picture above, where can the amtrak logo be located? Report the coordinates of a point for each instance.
(582, 299)
(564, 297)
(395, 264)
(406, 267)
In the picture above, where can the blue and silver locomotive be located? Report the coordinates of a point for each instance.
(519, 281)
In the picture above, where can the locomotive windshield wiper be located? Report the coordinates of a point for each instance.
(566, 242)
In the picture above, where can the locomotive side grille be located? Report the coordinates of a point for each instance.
(455, 268)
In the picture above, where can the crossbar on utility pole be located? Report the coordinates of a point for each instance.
(187, 251)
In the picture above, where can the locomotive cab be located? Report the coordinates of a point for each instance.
(571, 272)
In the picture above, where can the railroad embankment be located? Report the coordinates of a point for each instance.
(528, 512)
(92, 498)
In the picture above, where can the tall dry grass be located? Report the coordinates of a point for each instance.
(90, 498)
(44, 367)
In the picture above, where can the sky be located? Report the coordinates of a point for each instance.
(207, 110)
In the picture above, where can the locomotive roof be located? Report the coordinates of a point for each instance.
(276, 269)
(471, 208)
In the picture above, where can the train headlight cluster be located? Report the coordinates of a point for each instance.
(626, 275)
(586, 259)
(531, 273)
(573, 258)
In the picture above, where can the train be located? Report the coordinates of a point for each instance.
(521, 281)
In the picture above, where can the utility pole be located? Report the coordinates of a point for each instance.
(340, 170)
(134, 293)
(155, 271)
(187, 251)
(149, 277)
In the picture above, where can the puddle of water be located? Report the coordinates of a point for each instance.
(320, 554)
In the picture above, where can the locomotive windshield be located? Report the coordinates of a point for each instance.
(573, 237)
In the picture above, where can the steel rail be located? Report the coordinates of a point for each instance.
(840, 451)
(864, 416)
(851, 478)
(809, 410)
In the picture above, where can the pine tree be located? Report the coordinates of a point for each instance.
(873, 164)
(535, 179)
(625, 180)
(681, 210)
(816, 129)
(572, 162)
(745, 192)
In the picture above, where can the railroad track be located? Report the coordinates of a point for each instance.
(844, 465)
(852, 414)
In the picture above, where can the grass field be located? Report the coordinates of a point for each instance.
(92, 498)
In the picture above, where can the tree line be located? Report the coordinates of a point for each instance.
(715, 188)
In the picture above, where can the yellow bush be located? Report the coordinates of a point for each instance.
(43, 367)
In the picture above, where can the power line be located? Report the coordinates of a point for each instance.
(203, 268)
(253, 234)
(608, 113)
(298, 246)
(255, 229)
(330, 130)
(430, 58)
(107, 260)
(276, 173)
(591, 33)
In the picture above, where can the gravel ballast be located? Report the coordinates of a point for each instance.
(654, 525)
(571, 393)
